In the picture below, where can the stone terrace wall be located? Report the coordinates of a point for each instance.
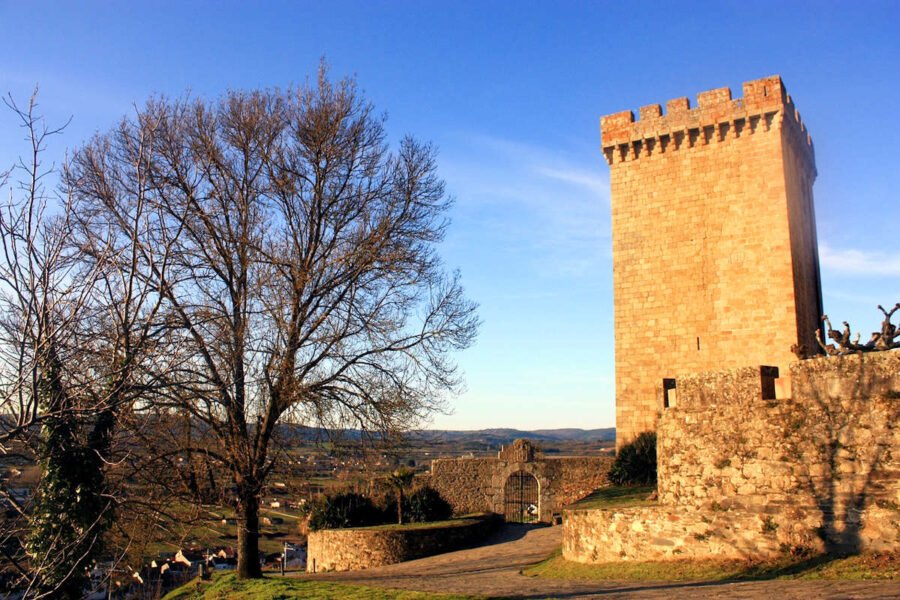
(652, 533)
(477, 484)
(353, 549)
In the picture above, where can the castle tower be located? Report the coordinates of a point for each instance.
(715, 260)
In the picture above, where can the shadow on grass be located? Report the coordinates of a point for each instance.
(865, 566)
(791, 570)
(617, 496)
(680, 576)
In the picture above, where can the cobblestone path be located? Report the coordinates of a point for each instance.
(493, 570)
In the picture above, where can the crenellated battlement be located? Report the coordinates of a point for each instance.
(717, 117)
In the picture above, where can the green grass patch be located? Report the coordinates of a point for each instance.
(860, 567)
(459, 522)
(229, 587)
(618, 496)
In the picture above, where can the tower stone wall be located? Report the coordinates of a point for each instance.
(715, 261)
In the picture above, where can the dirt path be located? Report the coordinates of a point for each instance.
(494, 570)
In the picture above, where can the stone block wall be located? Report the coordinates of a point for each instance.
(742, 474)
(714, 241)
(665, 532)
(477, 484)
(466, 483)
(832, 450)
(363, 548)
(571, 479)
(652, 533)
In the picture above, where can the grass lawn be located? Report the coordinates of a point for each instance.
(276, 588)
(618, 497)
(457, 522)
(201, 526)
(865, 566)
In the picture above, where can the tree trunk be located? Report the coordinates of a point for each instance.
(248, 537)
(400, 507)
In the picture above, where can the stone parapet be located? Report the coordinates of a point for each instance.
(717, 117)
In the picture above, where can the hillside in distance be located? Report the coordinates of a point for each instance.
(432, 443)
(505, 435)
(486, 442)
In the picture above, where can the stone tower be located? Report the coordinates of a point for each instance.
(715, 260)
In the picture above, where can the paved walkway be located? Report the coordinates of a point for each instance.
(494, 570)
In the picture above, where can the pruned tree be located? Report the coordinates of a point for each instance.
(888, 338)
(303, 281)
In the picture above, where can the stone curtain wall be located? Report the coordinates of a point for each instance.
(715, 262)
(353, 549)
(740, 476)
(466, 483)
(477, 484)
(571, 479)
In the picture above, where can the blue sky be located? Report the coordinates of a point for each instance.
(511, 93)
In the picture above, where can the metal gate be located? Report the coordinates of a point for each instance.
(520, 498)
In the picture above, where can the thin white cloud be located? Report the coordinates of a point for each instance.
(540, 164)
(852, 261)
(551, 205)
(579, 177)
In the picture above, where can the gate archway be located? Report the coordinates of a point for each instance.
(521, 498)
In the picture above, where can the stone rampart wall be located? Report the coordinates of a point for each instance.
(743, 476)
(363, 548)
(833, 446)
(466, 483)
(571, 479)
(477, 484)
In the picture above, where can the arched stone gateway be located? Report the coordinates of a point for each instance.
(519, 480)
(521, 498)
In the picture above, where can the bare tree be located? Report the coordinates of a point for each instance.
(35, 283)
(78, 327)
(43, 295)
(302, 281)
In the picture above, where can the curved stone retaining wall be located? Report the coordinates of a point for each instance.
(662, 533)
(362, 548)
